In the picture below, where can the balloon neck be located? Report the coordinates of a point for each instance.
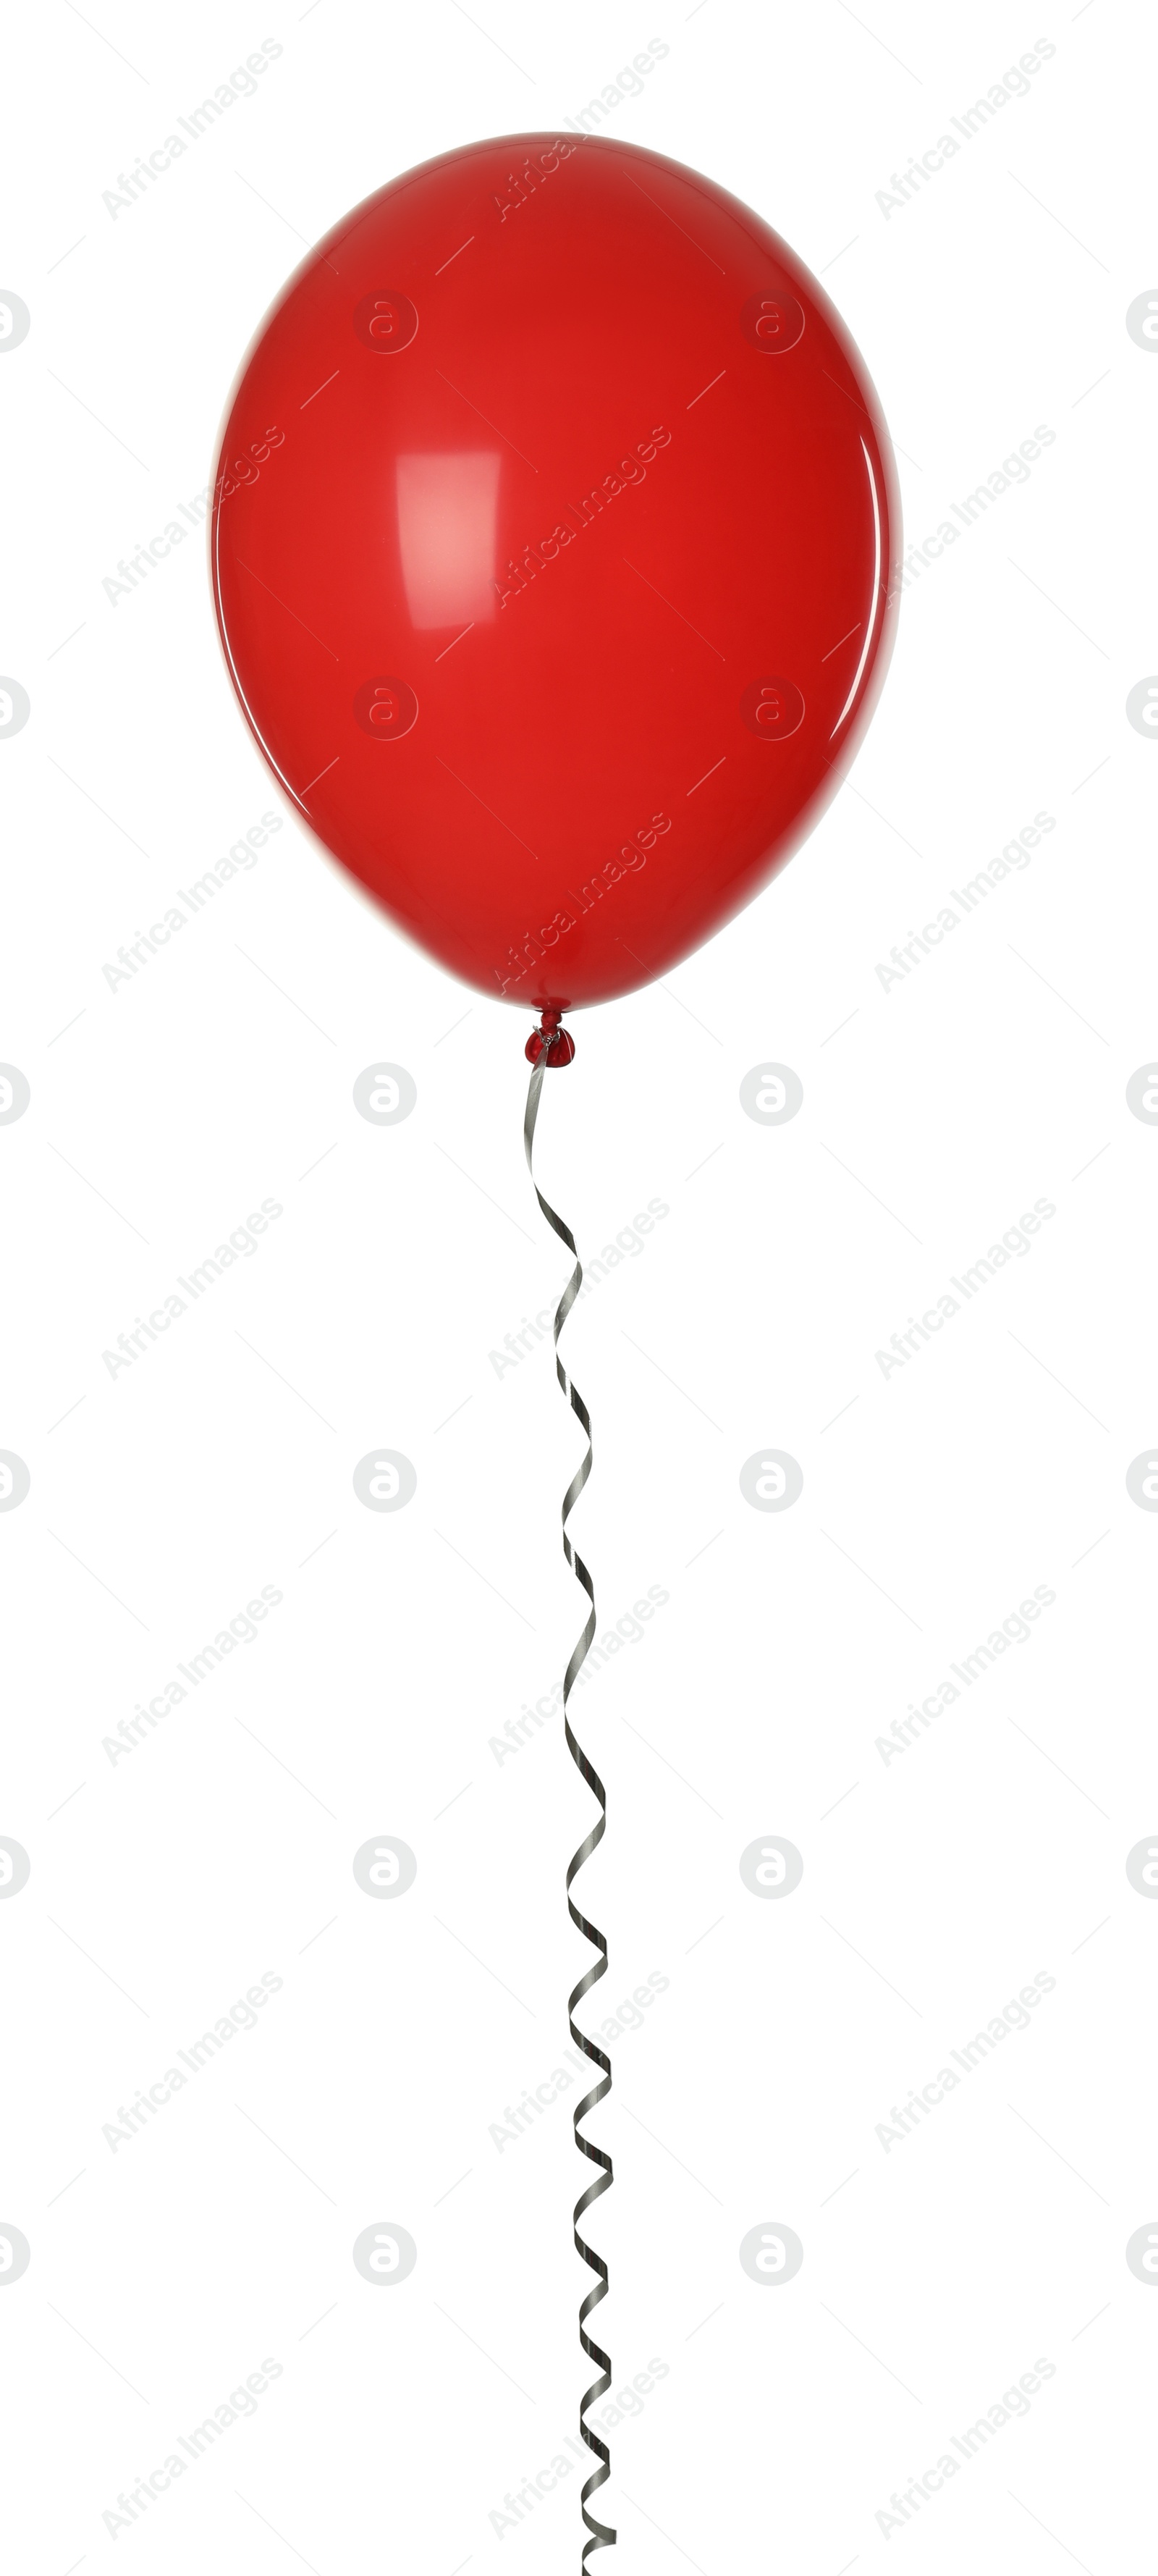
(550, 1043)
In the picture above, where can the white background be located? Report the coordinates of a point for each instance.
(935, 1884)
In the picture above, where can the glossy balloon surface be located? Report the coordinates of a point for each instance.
(552, 530)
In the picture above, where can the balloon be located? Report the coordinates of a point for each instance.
(552, 529)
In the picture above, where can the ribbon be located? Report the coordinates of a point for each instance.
(602, 2536)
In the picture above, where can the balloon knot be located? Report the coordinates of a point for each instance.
(555, 1045)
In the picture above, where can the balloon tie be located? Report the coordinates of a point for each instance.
(551, 1041)
(546, 1041)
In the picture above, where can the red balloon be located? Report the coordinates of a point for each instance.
(552, 529)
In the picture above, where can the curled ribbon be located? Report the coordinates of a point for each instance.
(602, 2536)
